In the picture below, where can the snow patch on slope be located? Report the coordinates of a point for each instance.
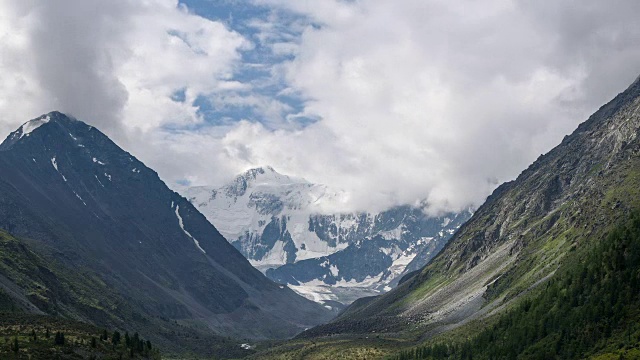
(318, 291)
(334, 270)
(100, 182)
(30, 126)
(392, 234)
(185, 231)
(54, 162)
(80, 197)
(275, 257)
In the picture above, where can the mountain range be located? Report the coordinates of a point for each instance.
(547, 267)
(280, 223)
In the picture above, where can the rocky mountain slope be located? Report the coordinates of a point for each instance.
(588, 310)
(278, 223)
(149, 260)
(565, 203)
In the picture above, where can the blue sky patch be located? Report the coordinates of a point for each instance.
(262, 100)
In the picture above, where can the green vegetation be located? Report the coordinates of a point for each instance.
(51, 287)
(331, 349)
(589, 309)
(25, 336)
(34, 282)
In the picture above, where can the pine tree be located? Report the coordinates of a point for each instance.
(93, 342)
(16, 345)
(59, 339)
(136, 343)
(115, 338)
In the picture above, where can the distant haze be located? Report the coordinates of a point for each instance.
(395, 102)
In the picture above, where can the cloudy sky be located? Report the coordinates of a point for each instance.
(393, 101)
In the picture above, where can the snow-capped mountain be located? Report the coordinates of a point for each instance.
(276, 222)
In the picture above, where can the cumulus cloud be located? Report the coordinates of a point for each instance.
(413, 101)
(120, 65)
(439, 100)
(115, 64)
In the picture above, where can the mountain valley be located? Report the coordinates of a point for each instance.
(91, 235)
(319, 180)
(511, 282)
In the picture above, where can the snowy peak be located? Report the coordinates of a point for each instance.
(29, 126)
(25, 130)
(35, 128)
(281, 224)
(80, 158)
(249, 202)
(257, 177)
(265, 173)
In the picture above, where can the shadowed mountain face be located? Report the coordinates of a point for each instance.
(86, 204)
(566, 201)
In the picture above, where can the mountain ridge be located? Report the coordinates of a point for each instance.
(84, 201)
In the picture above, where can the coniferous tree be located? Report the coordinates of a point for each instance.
(127, 339)
(135, 343)
(59, 339)
(115, 338)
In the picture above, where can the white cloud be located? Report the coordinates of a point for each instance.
(171, 50)
(114, 64)
(442, 100)
(417, 100)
